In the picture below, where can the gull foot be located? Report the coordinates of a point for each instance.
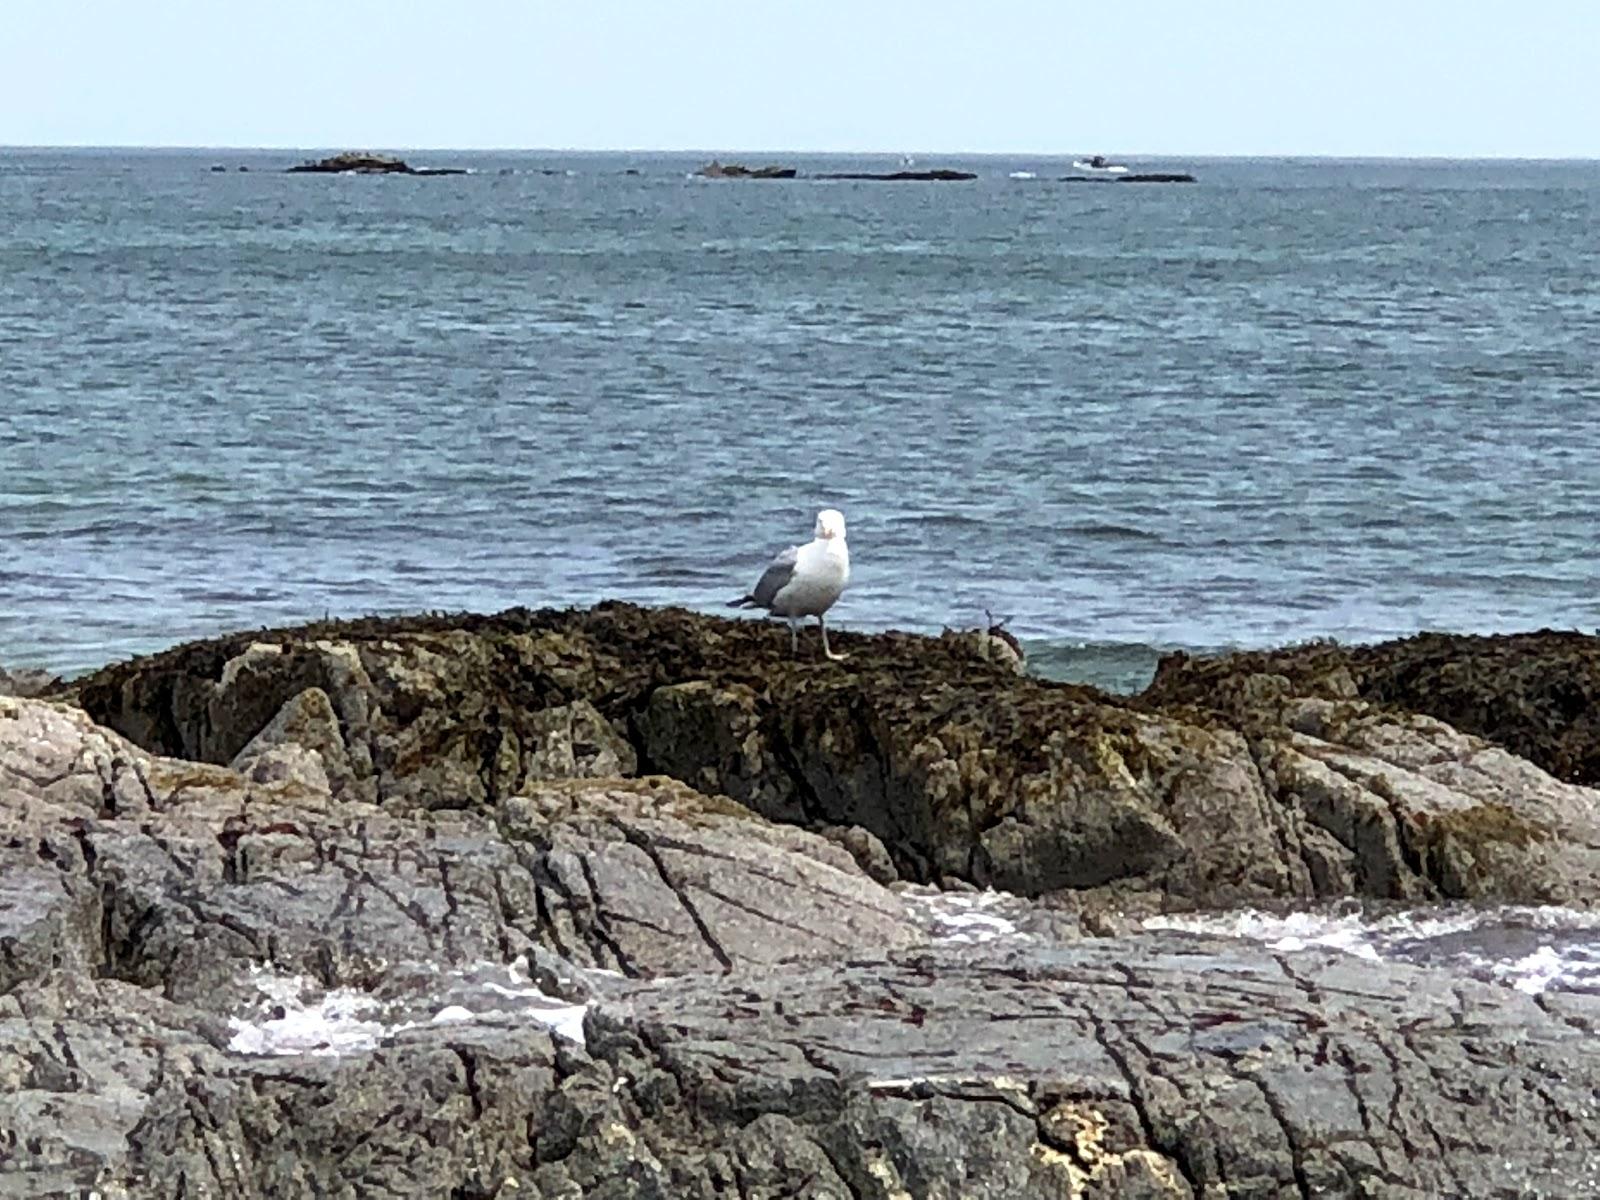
(835, 655)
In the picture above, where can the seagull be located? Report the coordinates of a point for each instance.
(804, 581)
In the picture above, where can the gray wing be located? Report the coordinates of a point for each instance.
(773, 579)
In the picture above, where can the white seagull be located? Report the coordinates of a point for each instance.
(804, 581)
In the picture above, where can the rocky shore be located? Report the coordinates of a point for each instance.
(628, 902)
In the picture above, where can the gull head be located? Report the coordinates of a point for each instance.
(830, 525)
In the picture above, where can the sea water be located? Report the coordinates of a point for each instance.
(1295, 399)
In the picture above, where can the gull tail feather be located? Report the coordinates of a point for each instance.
(742, 602)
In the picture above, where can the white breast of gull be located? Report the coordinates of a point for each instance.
(804, 581)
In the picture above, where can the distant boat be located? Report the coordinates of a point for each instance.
(1022, 175)
(1099, 166)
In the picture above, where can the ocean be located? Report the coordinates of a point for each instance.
(1296, 399)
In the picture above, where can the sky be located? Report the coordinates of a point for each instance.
(1246, 77)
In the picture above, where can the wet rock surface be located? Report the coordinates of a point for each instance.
(1161, 1066)
(178, 876)
(614, 903)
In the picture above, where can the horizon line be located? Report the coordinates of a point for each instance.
(768, 151)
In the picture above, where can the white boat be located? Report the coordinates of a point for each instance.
(1022, 175)
(1099, 166)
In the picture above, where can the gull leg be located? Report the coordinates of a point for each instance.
(794, 637)
(823, 625)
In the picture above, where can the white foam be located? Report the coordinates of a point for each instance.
(1532, 949)
(907, 1082)
(1568, 969)
(565, 1020)
(336, 1023)
(968, 917)
(1351, 932)
(1532, 973)
(299, 1019)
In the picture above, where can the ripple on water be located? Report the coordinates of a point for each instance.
(1162, 419)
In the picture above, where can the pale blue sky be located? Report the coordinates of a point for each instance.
(1355, 77)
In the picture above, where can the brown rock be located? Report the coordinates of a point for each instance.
(1536, 694)
(1224, 783)
(719, 170)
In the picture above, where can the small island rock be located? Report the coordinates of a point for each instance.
(354, 162)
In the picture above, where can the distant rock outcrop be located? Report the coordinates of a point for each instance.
(353, 162)
(719, 170)
(1147, 177)
(937, 176)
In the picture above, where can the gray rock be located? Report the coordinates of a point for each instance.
(49, 918)
(649, 877)
(777, 1024)
(28, 682)
(573, 741)
(307, 728)
(289, 763)
(719, 739)
(1532, 693)
(719, 170)
(180, 876)
(364, 162)
(1153, 1066)
(1222, 785)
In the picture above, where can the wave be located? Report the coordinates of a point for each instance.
(1532, 949)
